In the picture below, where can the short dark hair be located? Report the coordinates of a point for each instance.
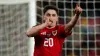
(46, 8)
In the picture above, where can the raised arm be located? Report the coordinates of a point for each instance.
(36, 29)
(71, 24)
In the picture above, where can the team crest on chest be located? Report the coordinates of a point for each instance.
(54, 33)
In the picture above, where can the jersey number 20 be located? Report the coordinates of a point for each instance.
(48, 42)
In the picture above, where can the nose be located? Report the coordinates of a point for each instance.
(51, 16)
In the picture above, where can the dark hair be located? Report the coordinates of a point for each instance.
(46, 8)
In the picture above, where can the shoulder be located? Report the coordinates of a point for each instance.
(60, 26)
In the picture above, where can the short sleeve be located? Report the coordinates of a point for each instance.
(62, 31)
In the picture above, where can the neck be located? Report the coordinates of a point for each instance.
(51, 26)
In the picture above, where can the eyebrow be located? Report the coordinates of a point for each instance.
(53, 14)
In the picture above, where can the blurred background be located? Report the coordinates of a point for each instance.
(16, 16)
(14, 22)
(13, 25)
(85, 38)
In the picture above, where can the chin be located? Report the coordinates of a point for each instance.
(49, 26)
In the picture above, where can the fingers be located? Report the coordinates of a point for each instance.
(78, 10)
(77, 5)
(46, 19)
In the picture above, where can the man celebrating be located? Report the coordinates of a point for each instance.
(49, 36)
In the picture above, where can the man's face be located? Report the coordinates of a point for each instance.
(52, 15)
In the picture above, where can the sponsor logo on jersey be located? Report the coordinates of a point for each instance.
(49, 34)
(43, 33)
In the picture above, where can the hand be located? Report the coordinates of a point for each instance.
(78, 10)
(47, 21)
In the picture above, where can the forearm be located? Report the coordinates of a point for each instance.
(71, 24)
(35, 30)
(74, 20)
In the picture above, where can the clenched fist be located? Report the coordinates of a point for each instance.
(78, 10)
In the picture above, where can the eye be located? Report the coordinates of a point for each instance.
(48, 14)
(53, 15)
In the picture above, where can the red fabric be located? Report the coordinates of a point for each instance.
(49, 42)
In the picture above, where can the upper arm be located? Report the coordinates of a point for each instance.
(63, 31)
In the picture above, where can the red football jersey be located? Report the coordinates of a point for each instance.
(49, 42)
